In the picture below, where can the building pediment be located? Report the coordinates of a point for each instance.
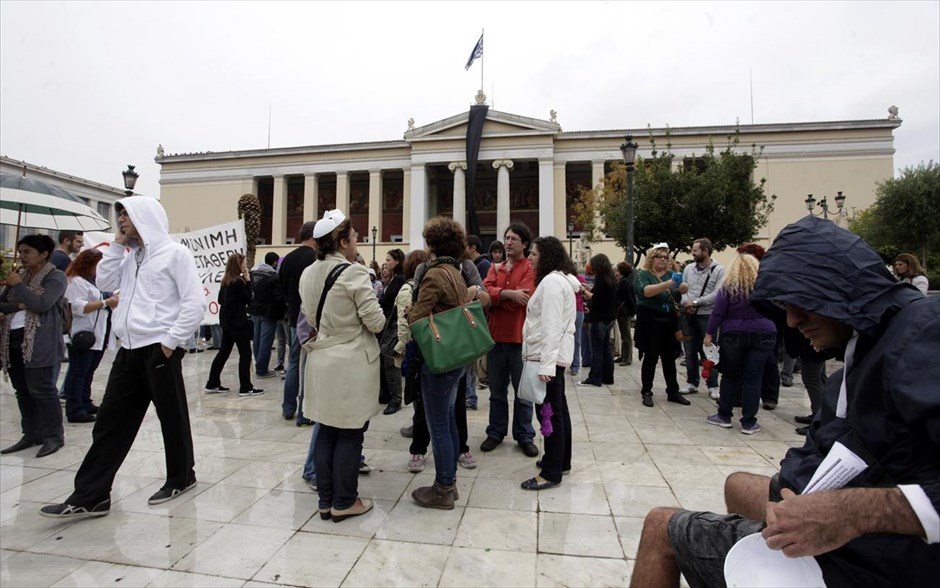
(498, 124)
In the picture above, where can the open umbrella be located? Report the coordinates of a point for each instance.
(25, 202)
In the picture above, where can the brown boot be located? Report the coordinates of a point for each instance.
(435, 496)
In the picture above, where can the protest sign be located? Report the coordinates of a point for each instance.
(211, 247)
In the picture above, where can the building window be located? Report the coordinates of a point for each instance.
(104, 209)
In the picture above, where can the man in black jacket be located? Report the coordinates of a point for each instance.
(292, 267)
(881, 528)
(266, 308)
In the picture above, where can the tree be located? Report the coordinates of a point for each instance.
(711, 196)
(905, 216)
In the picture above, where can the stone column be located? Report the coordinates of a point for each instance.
(502, 195)
(546, 197)
(597, 183)
(311, 198)
(460, 191)
(419, 205)
(561, 201)
(279, 212)
(342, 192)
(406, 206)
(375, 203)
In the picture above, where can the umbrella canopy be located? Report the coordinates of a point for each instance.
(25, 202)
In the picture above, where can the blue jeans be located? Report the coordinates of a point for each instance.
(310, 466)
(602, 352)
(504, 363)
(337, 456)
(743, 356)
(585, 342)
(263, 338)
(280, 333)
(576, 360)
(439, 392)
(290, 405)
(216, 331)
(471, 388)
(77, 385)
(693, 349)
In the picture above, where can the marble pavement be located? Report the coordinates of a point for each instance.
(251, 519)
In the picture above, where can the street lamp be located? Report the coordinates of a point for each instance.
(570, 235)
(375, 231)
(824, 205)
(130, 180)
(629, 157)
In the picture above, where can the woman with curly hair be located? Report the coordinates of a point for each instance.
(441, 288)
(548, 338)
(603, 304)
(234, 296)
(908, 269)
(31, 343)
(88, 314)
(745, 340)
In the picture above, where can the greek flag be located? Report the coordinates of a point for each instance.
(476, 53)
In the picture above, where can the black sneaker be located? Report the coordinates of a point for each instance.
(279, 367)
(70, 511)
(251, 392)
(490, 443)
(216, 389)
(530, 449)
(165, 494)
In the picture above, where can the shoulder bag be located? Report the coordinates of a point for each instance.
(454, 338)
(531, 388)
(330, 280)
(84, 340)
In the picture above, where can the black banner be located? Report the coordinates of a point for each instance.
(474, 136)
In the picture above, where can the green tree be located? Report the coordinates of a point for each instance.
(712, 195)
(905, 216)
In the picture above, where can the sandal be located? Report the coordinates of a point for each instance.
(534, 484)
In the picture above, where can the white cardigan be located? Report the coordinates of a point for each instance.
(79, 293)
(548, 332)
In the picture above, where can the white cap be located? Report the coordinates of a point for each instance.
(663, 245)
(371, 271)
(331, 219)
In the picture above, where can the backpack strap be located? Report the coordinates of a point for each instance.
(330, 280)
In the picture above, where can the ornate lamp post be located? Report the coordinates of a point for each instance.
(570, 236)
(130, 180)
(824, 205)
(629, 157)
(375, 231)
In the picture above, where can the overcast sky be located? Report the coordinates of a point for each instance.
(86, 88)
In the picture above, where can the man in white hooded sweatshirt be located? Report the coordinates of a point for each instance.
(162, 303)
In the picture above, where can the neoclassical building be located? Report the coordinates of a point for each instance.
(528, 169)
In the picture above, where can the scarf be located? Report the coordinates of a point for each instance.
(34, 285)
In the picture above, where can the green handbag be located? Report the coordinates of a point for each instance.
(454, 338)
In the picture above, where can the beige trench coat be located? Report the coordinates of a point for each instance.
(341, 378)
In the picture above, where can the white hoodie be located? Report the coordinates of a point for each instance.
(548, 332)
(162, 299)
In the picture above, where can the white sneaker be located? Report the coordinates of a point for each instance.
(689, 389)
(713, 393)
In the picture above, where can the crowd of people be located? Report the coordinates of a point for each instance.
(542, 315)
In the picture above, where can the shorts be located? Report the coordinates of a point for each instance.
(702, 540)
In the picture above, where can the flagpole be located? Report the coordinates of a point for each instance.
(482, 58)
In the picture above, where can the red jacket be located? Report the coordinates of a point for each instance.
(506, 318)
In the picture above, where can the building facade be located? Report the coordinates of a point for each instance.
(99, 197)
(528, 170)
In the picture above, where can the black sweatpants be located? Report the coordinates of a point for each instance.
(138, 376)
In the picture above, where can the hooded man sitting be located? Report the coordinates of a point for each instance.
(881, 528)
